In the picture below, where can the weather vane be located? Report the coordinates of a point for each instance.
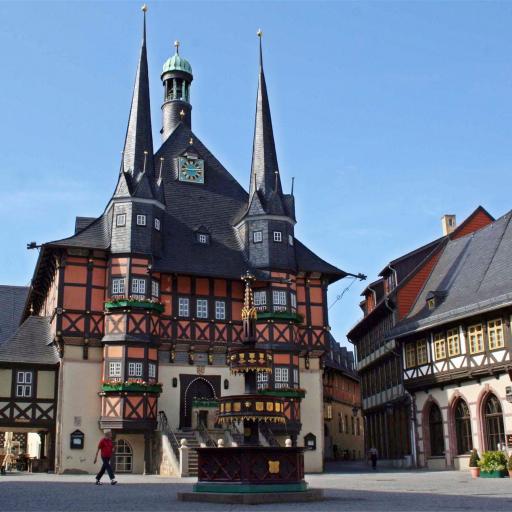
(144, 8)
(177, 46)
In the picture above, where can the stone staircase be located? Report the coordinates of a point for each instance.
(192, 443)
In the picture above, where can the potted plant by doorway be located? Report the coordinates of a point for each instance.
(473, 463)
(493, 465)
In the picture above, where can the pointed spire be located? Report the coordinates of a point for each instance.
(139, 138)
(265, 170)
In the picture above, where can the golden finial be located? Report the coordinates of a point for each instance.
(177, 46)
(259, 33)
(191, 141)
(144, 8)
(182, 114)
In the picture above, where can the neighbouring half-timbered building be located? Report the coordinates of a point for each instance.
(387, 405)
(456, 345)
(130, 317)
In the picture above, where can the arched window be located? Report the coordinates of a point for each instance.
(435, 422)
(463, 427)
(124, 457)
(493, 421)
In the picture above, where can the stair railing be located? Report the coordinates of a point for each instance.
(163, 426)
(267, 433)
(205, 436)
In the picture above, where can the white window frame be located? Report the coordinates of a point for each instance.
(120, 220)
(118, 286)
(24, 382)
(157, 223)
(296, 376)
(203, 238)
(135, 369)
(138, 286)
(278, 236)
(141, 220)
(260, 298)
(155, 289)
(293, 301)
(281, 377)
(114, 369)
(202, 308)
(261, 380)
(279, 300)
(183, 306)
(290, 239)
(220, 310)
(257, 237)
(152, 371)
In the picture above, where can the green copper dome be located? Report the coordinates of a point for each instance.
(177, 63)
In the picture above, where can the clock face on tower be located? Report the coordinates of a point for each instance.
(191, 169)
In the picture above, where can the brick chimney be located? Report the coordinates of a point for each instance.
(449, 223)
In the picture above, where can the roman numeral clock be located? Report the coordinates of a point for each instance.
(191, 169)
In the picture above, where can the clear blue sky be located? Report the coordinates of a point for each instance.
(388, 114)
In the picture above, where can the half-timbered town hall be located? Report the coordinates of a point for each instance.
(127, 321)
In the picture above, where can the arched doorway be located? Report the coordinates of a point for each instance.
(123, 457)
(435, 425)
(493, 423)
(463, 433)
(199, 388)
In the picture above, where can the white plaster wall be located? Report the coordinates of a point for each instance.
(312, 414)
(79, 408)
(169, 400)
(470, 391)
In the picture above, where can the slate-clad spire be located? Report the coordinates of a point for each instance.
(139, 136)
(265, 177)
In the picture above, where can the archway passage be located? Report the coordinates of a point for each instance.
(199, 388)
(463, 427)
(435, 423)
(123, 457)
(493, 423)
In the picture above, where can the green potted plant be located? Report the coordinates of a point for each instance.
(509, 465)
(473, 464)
(493, 465)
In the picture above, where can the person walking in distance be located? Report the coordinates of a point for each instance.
(373, 457)
(106, 449)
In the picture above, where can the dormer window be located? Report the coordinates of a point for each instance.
(157, 224)
(278, 236)
(257, 237)
(431, 303)
(203, 238)
(434, 299)
(141, 220)
(120, 220)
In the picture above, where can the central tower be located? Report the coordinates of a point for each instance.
(176, 79)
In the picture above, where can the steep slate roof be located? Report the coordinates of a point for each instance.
(472, 275)
(12, 300)
(31, 343)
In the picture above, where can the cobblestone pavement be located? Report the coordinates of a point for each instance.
(346, 489)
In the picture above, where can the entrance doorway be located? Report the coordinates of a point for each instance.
(123, 457)
(197, 389)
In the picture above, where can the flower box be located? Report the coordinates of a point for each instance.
(129, 303)
(280, 316)
(283, 393)
(133, 386)
(493, 474)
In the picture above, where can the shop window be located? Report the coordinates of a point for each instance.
(495, 334)
(463, 428)
(439, 346)
(494, 428)
(123, 457)
(476, 339)
(183, 306)
(435, 423)
(24, 380)
(452, 339)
